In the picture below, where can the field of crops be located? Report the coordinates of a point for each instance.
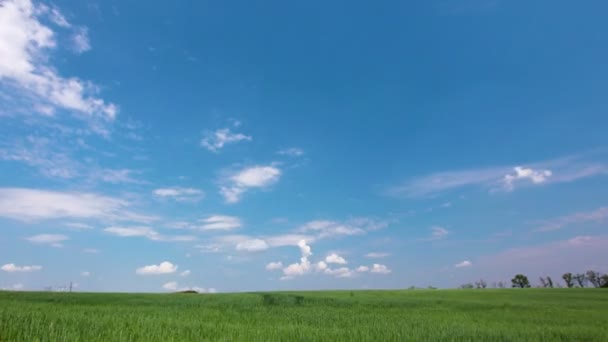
(502, 314)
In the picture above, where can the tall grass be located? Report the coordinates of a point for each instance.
(453, 315)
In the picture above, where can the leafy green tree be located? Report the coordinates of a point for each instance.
(520, 281)
(604, 280)
(569, 279)
(550, 282)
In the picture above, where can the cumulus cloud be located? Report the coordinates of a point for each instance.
(334, 258)
(34, 205)
(25, 43)
(48, 239)
(221, 222)
(376, 255)
(522, 173)
(215, 141)
(185, 273)
(465, 263)
(271, 266)
(180, 194)
(164, 267)
(380, 269)
(148, 233)
(255, 177)
(15, 268)
(306, 267)
(292, 152)
(253, 245)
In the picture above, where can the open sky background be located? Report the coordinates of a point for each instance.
(268, 145)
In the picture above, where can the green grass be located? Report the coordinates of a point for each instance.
(440, 315)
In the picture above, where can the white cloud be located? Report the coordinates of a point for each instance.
(362, 269)
(171, 286)
(598, 215)
(214, 141)
(301, 268)
(164, 267)
(335, 259)
(271, 266)
(376, 255)
(292, 152)
(185, 273)
(253, 245)
(78, 226)
(330, 228)
(221, 222)
(249, 178)
(91, 250)
(561, 170)
(116, 176)
(48, 239)
(380, 269)
(25, 44)
(180, 194)
(287, 239)
(15, 268)
(147, 232)
(80, 40)
(465, 263)
(521, 173)
(85, 274)
(34, 205)
(342, 272)
(438, 233)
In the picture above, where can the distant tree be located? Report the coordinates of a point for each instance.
(604, 280)
(501, 284)
(520, 281)
(543, 282)
(581, 279)
(569, 279)
(550, 282)
(594, 278)
(481, 284)
(467, 286)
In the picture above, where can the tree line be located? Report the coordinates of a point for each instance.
(587, 279)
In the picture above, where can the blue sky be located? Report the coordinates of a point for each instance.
(236, 146)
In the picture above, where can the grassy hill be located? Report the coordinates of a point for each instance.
(451, 315)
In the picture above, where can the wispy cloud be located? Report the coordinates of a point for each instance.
(25, 68)
(376, 255)
(34, 205)
(180, 194)
(15, 268)
(54, 240)
(504, 178)
(437, 233)
(148, 233)
(465, 263)
(292, 152)
(598, 215)
(255, 177)
(215, 141)
(221, 222)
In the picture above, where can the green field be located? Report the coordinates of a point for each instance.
(451, 315)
